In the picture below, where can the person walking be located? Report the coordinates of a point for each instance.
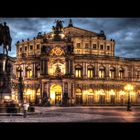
(25, 109)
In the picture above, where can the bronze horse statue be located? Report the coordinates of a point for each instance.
(5, 38)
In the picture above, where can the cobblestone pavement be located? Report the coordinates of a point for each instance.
(78, 114)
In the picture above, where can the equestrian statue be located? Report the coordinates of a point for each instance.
(5, 38)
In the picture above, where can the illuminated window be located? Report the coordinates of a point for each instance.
(38, 71)
(121, 73)
(112, 73)
(78, 45)
(102, 72)
(28, 72)
(90, 72)
(78, 71)
(18, 72)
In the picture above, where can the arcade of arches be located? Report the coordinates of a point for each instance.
(77, 64)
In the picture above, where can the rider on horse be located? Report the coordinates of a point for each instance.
(5, 37)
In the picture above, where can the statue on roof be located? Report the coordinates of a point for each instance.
(59, 26)
(70, 23)
(58, 29)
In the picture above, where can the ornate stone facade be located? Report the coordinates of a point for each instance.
(75, 63)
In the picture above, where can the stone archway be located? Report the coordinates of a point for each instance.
(55, 94)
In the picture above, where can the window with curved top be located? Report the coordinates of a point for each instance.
(38, 71)
(28, 72)
(138, 74)
(121, 73)
(112, 73)
(90, 72)
(78, 71)
(18, 69)
(101, 72)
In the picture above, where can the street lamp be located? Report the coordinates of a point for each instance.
(129, 88)
(20, 86)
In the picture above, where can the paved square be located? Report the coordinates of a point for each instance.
(78, 114)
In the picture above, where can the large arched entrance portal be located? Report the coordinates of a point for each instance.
(56, 94)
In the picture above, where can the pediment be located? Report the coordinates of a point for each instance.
(75, 32)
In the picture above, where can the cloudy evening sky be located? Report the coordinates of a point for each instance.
(125, 31)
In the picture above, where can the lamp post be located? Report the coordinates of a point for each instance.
(20, 87)
(129, 88)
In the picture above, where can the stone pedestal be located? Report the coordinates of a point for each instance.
(5, 77)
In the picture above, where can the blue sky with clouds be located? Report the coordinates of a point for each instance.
(125, 31)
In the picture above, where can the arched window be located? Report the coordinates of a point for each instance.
(37, 71)
(121, 73)
(78, 71)
(102, 72)
(78, 96)
(18, 71)
(28, 72)
(138, 74)
(112, 72)
(90, 72)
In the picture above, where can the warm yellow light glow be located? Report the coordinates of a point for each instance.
(129, 87)
(29, 74)
(132, 93)
(90, 73)
(101, 92)
(110, 74)
(62, 35)
(53, 90)
(7, 97)
(52, 68)
(78, 90)
(85, 92)
(38, 93)
(29, 92)
(101, 73)
(52, 96)
(111, 92)
(122, 92)
(76, 72)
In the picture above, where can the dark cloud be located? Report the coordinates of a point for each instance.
(125, 31)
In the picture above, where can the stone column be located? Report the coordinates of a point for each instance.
(67, 66)
(33, 66)
(84, 70)
(96, 70)
(46, 66)
(71, 67)
(107, 71)
(24, 70)
(41, 67)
